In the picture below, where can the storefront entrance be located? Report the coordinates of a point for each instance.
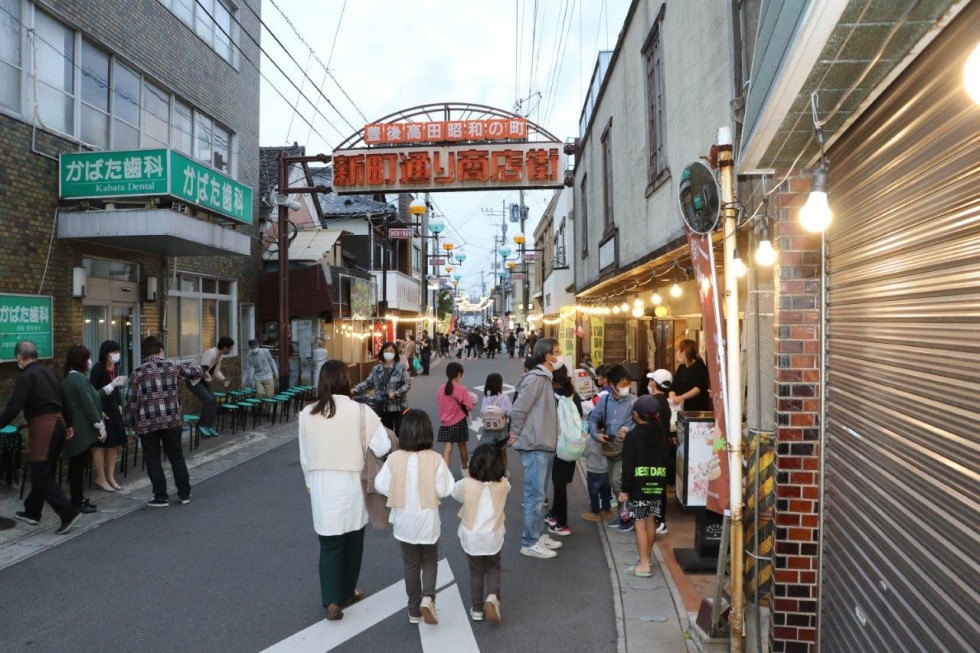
(111, 322)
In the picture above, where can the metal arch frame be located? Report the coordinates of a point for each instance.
(444, 111)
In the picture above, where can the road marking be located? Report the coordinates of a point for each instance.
(453, 632)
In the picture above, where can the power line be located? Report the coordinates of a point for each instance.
(340, 21)
(317, 58)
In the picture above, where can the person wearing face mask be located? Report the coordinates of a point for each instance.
(105, 377)
(534, 434)
(83, 408)
(660, 384)
(259, 367)
(38, 393)
(391, 382)
(609, 423)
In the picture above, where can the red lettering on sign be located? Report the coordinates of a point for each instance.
(542, 164)
(473, 165)
(444, 174)
(507, 165)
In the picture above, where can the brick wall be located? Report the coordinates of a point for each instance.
(797, 332)
(145, 35)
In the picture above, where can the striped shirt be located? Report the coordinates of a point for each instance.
(152, 401)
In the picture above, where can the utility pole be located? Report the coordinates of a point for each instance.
(524, 282)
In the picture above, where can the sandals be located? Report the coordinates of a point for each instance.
(334, 613)
(631, 571)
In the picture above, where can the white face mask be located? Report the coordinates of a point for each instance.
(389, 355)
(623, 391)
(557, 364)
(114, 358)
(90, 363)
(255, 350)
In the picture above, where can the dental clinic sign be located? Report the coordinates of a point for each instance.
(145, 173)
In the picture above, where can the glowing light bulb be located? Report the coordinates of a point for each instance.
(616, 310)
(675, 290)
(815, 216)
(637, 303)
(765, 255)
(971, 75)
(624, 307)
(738, 265)
(656, 299)
(638, 311)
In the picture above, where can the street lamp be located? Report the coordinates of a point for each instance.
(417, 207)
(460, 257)
(504, 251)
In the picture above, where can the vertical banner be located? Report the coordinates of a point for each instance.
(703, 261)
(566, 336)
(597, 338)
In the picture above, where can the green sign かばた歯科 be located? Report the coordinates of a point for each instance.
(141, 173)
(25, 317)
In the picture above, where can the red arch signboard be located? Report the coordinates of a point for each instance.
(446, 147)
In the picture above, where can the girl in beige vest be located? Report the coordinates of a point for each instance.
(481, 529)
(414, 478)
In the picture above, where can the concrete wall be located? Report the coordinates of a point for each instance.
(697, 71)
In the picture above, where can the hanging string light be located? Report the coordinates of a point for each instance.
(815, 216)
(656, 299)
(765, 255)
(738, 265)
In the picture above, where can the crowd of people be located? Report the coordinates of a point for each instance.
(466, 343)
(627, 456)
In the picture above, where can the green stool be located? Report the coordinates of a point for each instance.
(194, 432)
(232, 411)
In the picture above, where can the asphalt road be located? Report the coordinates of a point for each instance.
(236, 570)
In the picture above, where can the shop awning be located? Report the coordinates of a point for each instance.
(309, 245)
(153, 231)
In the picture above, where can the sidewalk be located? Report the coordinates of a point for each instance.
(650, 612)
(214, 456)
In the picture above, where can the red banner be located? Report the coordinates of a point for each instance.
(703, 261)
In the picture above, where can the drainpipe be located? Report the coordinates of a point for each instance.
(734, 422)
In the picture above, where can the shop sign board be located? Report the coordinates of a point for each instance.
(147, 173)
(566, 334)
(399, 234)
(597, 337)
(466, 166)
(518, 276)
(438, 260)
(703, 262)
(361, 296)
(439, 131)
(531, 257)
(26, 317)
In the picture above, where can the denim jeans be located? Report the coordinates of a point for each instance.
(169, 441)
(599, 495)
(537, 477)
(209, 405)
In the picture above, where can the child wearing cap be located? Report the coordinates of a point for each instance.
(644, 485)
(659, 386)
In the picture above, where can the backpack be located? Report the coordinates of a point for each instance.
(571, 438)
(493, 419)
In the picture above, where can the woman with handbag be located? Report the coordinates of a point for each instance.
(391, 382)
(335, 434)
(455, 404)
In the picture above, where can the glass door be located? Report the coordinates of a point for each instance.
(113, 322)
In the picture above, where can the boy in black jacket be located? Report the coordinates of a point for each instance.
(645, 457)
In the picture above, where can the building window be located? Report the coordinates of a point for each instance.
(247, 324)
(116, 106)
(10, 57)
(584, 203)
(212, 20)
(54, 68)
(200, 310)
(653, 61)
(102, 268)
(607, 177)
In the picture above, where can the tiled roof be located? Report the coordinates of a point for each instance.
(335, 206)
(269, 165)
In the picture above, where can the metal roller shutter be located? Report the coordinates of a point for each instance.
(900, 543)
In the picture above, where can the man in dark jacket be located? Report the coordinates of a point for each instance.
(644, 487)
(534, 434)
(38, 393)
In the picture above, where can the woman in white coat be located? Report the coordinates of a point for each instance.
(334, 434)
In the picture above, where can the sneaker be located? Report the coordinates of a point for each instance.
(537, 550)
(558, 529)
(67, 524)
(412, 619)
(86, 507)
(429, 610)
(626, 526)
(476, 615)
(185, 500)
(662, 529)
(549, 543)
(592, 516)
(613, 504)
(492, 608)
(24, 517)
(158, 503)
(615, 522)
(551, 520)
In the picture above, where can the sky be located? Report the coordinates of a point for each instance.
(532, 56)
